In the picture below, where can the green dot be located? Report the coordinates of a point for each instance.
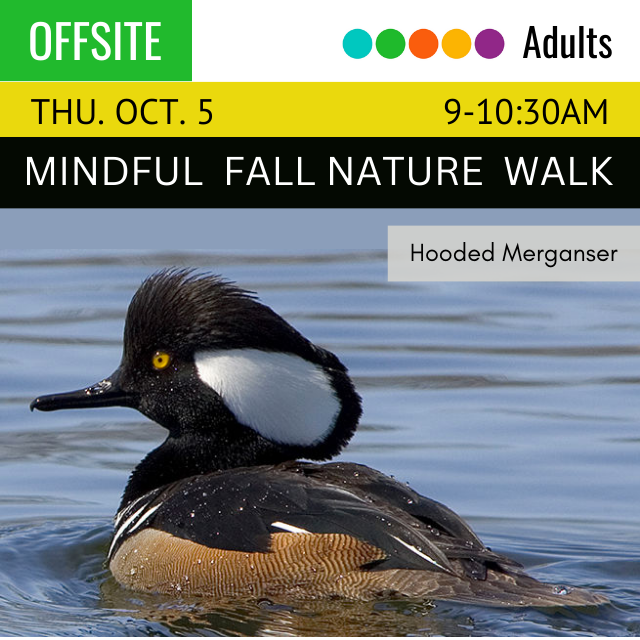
(390, 43)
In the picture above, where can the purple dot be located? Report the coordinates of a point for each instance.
(489, 43)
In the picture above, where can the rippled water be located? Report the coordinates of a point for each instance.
(517, 405)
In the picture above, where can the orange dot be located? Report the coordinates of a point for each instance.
(423, 43)
(456, 43)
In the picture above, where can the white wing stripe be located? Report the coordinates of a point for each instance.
(126, 510)
(124, 526)
(288, 527)
(424, 556)
(144, 517)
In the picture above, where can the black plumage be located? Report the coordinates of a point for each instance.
(235, 510)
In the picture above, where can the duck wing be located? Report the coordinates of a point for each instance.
(442, 526)
(241, 510)
(339, 528)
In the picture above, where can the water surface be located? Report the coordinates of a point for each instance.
(518, 405)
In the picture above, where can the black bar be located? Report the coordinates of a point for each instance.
(208, 164)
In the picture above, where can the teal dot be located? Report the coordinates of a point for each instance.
(390, 43)
(357, 44)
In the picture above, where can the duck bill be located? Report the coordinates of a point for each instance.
(106, 393)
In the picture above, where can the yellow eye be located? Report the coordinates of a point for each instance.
(161, 360)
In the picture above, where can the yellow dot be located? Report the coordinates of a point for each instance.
(456, 43)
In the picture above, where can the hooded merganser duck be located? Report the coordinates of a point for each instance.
(223, 507)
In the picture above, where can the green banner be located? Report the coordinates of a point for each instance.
(80, 40)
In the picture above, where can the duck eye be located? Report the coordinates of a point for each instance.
(161, 360)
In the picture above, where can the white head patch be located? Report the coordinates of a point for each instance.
(283, 397)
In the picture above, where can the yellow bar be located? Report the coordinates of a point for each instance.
(323, 109)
